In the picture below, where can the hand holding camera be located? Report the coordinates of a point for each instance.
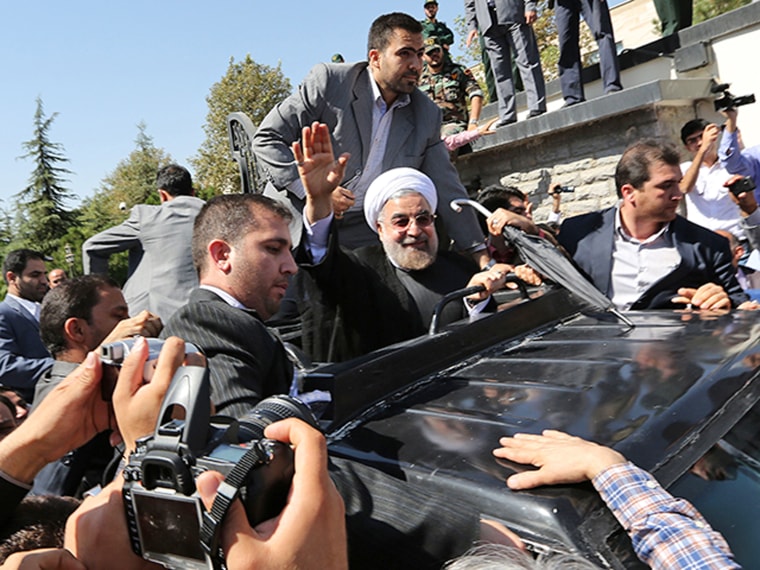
(309, 533)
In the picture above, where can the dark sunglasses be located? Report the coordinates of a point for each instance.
(422, 220)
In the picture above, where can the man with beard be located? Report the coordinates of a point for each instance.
(374, 296)
(450, 86)
(23, 356)
(376, 113)
(640, 253)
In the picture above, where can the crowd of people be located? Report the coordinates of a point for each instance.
(354, 234)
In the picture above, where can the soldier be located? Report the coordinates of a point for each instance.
(433, 28)
(450, 85)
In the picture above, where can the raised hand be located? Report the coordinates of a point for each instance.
(320, 172)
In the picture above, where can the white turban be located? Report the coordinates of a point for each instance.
(392, 181)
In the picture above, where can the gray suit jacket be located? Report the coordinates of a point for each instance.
(478, 15)
(23, 356)
(340, 95)
(161, 272)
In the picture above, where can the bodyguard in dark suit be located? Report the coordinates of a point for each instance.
(641, 254)
(23, 356)
(241, 249)
(376, 113)
(161, 273)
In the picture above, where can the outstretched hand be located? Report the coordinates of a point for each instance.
(320, 171)
(560, 458)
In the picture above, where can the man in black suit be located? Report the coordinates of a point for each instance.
(643, 255)
(241, 251)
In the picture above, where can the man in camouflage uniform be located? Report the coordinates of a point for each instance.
(433, 28)
(450, 86)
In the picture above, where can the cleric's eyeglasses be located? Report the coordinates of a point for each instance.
(423, 220)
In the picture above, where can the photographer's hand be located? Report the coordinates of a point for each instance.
(96, 533)
(43, 559)
(746, 200)
(310, 532)
(144, 323)
(136, 404)
(731, 116)
(70, 416)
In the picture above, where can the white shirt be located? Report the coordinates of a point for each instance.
(32, 307)
(709, 204)
(637, 265)
(226, 297)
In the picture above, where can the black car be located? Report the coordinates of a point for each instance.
(676, 387)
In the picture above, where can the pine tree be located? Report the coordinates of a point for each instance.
(248, 87)
(41, 214)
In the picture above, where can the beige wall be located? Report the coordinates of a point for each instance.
(635, 23)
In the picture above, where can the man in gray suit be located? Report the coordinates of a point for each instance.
(506, 29)
(376, 113)
(161, 272)
(23, 356)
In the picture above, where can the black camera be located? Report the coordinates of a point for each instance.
(561, 189)
(728, 101)
(112, 356)
(741, 185)
(166, 519)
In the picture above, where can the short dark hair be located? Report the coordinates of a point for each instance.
(17, 259)
(382, 29)
(74, 298)
(230, 217)
(633, 166)
(497, 196)
(693, 126)
(175, 180)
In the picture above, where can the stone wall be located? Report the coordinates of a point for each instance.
(583, 156)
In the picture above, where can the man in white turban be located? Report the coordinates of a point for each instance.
(357, 301)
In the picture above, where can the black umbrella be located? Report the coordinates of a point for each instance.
(550, 261)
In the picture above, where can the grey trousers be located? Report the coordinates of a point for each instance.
(500, 40)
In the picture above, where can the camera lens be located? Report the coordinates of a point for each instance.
(273, 409)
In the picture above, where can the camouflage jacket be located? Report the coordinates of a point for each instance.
(438, 29)
(451, 89)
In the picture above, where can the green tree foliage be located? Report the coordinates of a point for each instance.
(132, 182)
(246, 86)
(41, 215)
(706, 9)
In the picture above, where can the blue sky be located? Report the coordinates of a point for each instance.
(106, 66)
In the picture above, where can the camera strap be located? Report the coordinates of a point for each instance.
(226, 493)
